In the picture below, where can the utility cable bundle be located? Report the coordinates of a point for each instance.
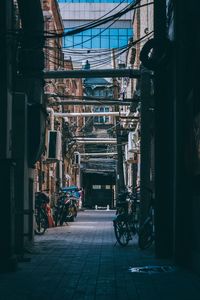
(98, 22)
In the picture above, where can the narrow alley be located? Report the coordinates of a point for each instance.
(81, 260)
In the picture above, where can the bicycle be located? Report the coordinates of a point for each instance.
(146, 233)
(41, 218)
(126, 222)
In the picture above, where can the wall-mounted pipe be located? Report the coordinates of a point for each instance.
(98, 154)
(88, 114)
(95, 142)
(94, 139)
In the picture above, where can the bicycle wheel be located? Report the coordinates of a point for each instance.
(145, 237)
(121, 232)
(41, 223)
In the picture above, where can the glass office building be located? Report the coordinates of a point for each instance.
(109, 35)
(99, 38)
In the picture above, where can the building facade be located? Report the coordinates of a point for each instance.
(55, 167)
(114, 34)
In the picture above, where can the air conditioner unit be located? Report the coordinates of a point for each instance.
(130, 157)
(133, 142)
(54, 145)
(130, 141)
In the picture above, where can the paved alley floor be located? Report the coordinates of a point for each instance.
(82, 261)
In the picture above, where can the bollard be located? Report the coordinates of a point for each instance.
(96, 207)
(108, 207)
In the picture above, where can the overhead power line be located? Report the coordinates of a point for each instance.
(97, 22)
(100, 21)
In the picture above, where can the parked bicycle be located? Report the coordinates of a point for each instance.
(146, 234)
(41, 216)
(126, 222)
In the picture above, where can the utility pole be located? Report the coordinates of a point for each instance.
(120, 184)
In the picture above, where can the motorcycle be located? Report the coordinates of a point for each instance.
(65, 210)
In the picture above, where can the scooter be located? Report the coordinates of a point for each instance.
(65, 210)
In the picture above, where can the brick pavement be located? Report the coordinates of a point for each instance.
(82, 262)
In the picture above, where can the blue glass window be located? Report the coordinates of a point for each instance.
(99, 38)
(77, 41)
(96, 42)
(114, 41)
(105, 42)
(114, 31)
(130, 31)
(123, 31)
(96, 31)
(104, 31)
(123, 41)
(87, 42)
(87, 32)
(68, 41)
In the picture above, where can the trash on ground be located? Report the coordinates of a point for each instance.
(152, 269)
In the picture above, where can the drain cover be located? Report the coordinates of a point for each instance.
(152, 269)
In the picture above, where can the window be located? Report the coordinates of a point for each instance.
(114, 41)
(96, 42)
(114, 32)
(87, 42)
(101, 119)
(123, 40)
(96, 31)
(123, 31)
(77, 41)
(96, 187)
(105, 42)
(99, 38)
(68, 41)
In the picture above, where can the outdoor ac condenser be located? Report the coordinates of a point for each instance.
(130, 157)
(54, 145)
(131, 141)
